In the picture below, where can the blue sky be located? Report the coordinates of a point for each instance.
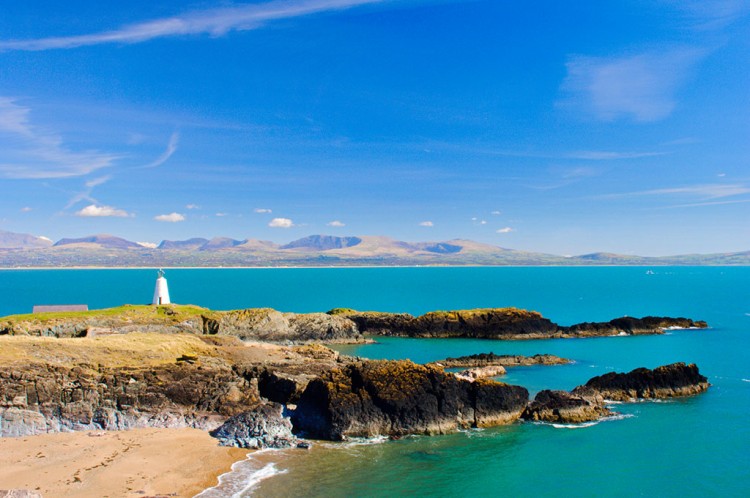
(562, 127)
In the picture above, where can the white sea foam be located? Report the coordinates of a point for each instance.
(745, 380)
(244, 476)
(357, 441)
(574, 426)
(619, 416)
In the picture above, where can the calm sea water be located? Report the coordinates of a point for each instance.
(691, 447)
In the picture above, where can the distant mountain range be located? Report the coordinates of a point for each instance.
(23, 250)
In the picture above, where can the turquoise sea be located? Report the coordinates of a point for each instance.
(698, 446)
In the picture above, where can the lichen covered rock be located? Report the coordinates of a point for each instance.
(563, 407)
(395, 398)
(668, 381)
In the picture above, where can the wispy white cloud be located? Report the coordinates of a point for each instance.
(170, 218)
(192, 206)
(262, 211)
(174, 139)
(213, 22)
(586, 155)
(640, 86)
(708, 16)
(26, 209)
(711, 203)
(505, 230)
(496, 213)
(336, 223)
(95, 211)
(705, 191)
(221, 215)
(281, 223)
(426, 224)
(36, 153)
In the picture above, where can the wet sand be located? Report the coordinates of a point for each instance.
(139, 462)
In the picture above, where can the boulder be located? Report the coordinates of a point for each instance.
(262, 427)
(668, 381)
(473, 374)
(563, 407)
(395, 398)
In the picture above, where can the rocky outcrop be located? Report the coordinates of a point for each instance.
(631, 326)
(502, 323)
(396, 398)
(269, 325)
(263, 427)
(668, 381)
(564, 408)
(376, 322)
(492, 359)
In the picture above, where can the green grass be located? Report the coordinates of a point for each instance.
(169, 312)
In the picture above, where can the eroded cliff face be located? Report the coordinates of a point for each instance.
(55, 398)
(395, 398)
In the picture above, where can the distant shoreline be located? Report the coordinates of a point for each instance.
(286, 267)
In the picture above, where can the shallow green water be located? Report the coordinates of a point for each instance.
(692, 447)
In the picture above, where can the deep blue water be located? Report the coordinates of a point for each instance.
(691, 447)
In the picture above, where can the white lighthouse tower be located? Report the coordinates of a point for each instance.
(161, 291)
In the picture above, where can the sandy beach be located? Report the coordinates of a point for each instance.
(139, 462)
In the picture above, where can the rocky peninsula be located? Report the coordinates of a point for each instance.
(337, 325)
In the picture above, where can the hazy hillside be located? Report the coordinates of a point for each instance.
(21, 250)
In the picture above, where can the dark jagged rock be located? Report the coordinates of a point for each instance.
(262, 427)
(632, 326)
(375, 322)
(668, 381)
(505, 360)
(481, 323)
(396, 398)
(563, 407)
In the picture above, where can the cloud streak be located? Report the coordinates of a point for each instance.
(174, 139)
(706, 191)
(35, 153)
(213, 22)
(640, 86)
